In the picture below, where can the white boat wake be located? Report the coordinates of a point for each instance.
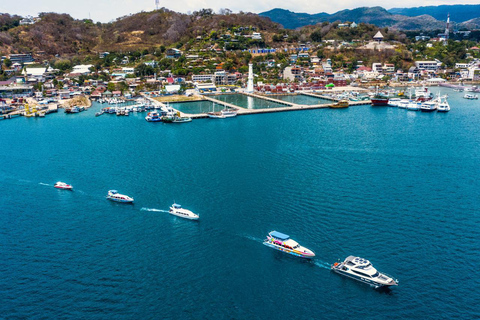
(45, 184)
(322, 264)
(253, 238)
(154, 210)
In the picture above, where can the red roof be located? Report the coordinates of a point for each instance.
(474, 48)
(170, 80)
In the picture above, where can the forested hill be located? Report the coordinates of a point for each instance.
(61, 34)
(458, 12)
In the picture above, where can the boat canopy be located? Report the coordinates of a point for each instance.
(176, 206)
(113, 191)
(279, 235)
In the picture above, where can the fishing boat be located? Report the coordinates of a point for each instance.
(470, 96)
(175, 119)
(443, 105)
(113, 195)
(423, 94)
(282, 242)
(153, 117)
(63, 185)
(413, 105)
(394, 102)
(362, 270)
(178, 211)
(340, 104)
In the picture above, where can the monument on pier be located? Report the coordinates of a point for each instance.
(250, 79)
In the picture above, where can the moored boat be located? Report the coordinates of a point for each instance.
(282, 242)
(178, 211)
(428, 106)
(216, 115)
(340, 104)
(379, 101)
(443, 105)
(63, 185)
(229, 113)
(470, 96)
(153, 117)
(362, 270)
(113, 195)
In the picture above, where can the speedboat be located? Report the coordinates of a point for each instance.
(282, 242)
(153, 117)
(178, 211)
(362, 270)
(115, 196)
(63, 185)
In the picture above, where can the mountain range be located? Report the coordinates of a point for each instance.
(420, 18)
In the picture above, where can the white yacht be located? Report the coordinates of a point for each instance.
(115, 196)
(470, 96)
(362, 270)
(413, 106)
(178, 211)
(394, 102)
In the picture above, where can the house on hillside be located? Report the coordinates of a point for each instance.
(173, 53)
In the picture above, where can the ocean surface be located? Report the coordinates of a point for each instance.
(400, 188)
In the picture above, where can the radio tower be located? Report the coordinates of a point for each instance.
(157, 3)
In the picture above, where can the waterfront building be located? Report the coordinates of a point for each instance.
(428, 65)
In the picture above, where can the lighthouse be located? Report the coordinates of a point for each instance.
(250, 79)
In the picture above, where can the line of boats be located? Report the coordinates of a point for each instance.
(353, 267)
(113, 195)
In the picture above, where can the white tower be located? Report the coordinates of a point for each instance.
(157, 3)
(447, 29)
(250, 79)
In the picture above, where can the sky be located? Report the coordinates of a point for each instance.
(108, 10)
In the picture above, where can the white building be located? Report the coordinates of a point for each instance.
(428, 65)
(256, 36)
(202, 78)
(128, 70)
(82, 68)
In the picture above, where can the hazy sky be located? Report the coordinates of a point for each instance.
(107, 10)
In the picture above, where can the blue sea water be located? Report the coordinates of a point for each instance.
(398, 187)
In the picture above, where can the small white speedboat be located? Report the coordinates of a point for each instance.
(178, 211)
(63, 185)
(113, 195)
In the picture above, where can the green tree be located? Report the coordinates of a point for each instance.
(7, 62)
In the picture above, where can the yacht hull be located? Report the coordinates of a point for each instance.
(289, 251)
(361, 279)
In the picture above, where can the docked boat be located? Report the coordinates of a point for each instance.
(115, 196)
(63, 185)
(429, 106)
(282, 242)
(216, 115)
(175, 119)
(99, 113)
(443, 105)
(423, 94)
(413, 106)
(470, 96)
(153, 117)
(340, 104)
(229, 113)
(379, 101)
(178, 211)
(394, 102)
(362, 270)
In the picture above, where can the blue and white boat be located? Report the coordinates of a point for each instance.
(113, 195)
(282, 242)
(362, 270)
(178, 211)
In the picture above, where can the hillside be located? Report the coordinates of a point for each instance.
(458, 12)
(374, 15)
(63, 35)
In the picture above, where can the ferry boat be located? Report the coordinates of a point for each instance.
(115, 196)
(282, 242)
(63, 185)
(362, 270)
(153, 117)
(470, 96)
(178, 211)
